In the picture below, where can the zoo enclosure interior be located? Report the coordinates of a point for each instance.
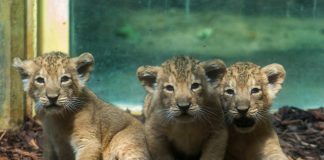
(126, 34)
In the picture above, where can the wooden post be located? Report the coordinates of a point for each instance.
(12, 44)
(31, 45)
(53, 26)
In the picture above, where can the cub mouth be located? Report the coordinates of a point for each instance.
(244, 122)
(52, 106)
(184, 117)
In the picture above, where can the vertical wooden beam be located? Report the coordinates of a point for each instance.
(31, 27)
(53, 26)
(12, 44)
(31, 45)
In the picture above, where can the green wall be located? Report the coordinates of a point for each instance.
(124, 35)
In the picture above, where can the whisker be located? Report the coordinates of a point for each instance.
(38, 106)
(73, 104)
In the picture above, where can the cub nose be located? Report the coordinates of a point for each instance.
(184, 106)
(52, 98)
(242, 109)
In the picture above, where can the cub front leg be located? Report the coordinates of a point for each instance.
(216, 146)
(275, 153)
(158, 146)
(86, 148)
(275, 156)
(128, 144)
(272, 149)
(49, 152)
(159, 150)
(58, 148)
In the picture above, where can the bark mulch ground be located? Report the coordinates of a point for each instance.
(301, 135)
(23, 144)
(301, 132)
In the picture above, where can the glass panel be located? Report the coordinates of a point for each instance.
(125, 34)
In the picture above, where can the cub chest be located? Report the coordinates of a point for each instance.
(188, 139)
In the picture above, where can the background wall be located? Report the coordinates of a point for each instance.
(124, 34)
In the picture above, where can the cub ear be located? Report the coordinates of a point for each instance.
(214, 70)
(147, 76)
(84, 65)
(276, 75)
(25, 68)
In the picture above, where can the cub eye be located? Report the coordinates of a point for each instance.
(40, 80)
(230, 92)
(169, 88)
(65, 79)
(255, 90)
(195, 86)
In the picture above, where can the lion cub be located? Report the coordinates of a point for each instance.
(184, 119)
(248, 91)
(77, 124)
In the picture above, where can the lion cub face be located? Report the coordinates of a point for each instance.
(248, 91)
(179, 86)
(54, 80)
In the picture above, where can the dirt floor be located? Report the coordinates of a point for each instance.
(301, 135)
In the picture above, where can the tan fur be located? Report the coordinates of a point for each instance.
(146, 107)
(173, 132)
(77, 124)
(248, 91)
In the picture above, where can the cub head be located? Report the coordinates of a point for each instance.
(54, 80)
(180, 86)
(247, 93)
